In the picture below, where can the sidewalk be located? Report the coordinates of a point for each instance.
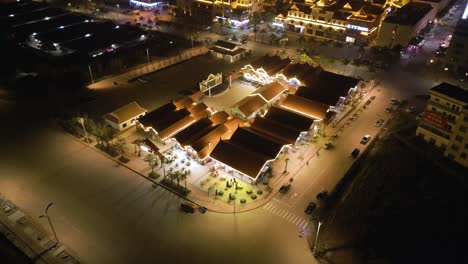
(30, 237)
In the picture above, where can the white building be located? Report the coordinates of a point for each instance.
(125, 117)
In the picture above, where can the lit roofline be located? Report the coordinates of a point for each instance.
(302, 113)
(144, 4)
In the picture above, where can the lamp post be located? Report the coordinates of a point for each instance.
(147, 54)
(50, 223)
(86, 133)
(286, 165)
(118, 10)
(91, 73)
(316, 238)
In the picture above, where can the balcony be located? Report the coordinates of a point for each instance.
(446, 108)
(436, 131)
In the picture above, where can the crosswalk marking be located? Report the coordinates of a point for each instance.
(286, 215)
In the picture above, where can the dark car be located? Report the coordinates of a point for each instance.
(355, 152)
(202, 209)
(310, 208)
(285, 188)
(322, 195)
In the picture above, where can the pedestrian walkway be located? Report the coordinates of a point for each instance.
(301, 222)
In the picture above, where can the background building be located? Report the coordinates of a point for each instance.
(445, 121)
(405, 24)
(457, 52)
(347, 21)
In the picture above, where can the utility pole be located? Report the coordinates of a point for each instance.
(91, 73)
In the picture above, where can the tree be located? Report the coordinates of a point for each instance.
(162, 159)
(120, 145)
(268, 16)
(151, 160)
(183, 177)
(256, 19)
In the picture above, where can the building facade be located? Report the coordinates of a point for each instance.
(346, 21)
(405, 24)
(457, 52)
(445, 121)
(233, 12)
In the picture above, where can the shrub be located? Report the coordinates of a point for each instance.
(109, 150)
(123, 159)
(253, 196)
(259, 192)
(243, 200)
(232, 197)
(220, 193)
(174, 186)
(154, 175)
(249, 191)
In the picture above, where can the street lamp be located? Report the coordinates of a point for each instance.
(86, 133)
(50, 223)
(286, 165)
(147, 54)
(316, 238)
(91, 73)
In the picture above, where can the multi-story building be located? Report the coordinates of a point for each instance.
(405, 24)
(457, 51)
(234, 12)
(355, 21)
(445, 121)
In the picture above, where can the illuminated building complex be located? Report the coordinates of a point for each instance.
(145, 3)
(457, 52)
(347, 21)
(445, 121)
(234, 12)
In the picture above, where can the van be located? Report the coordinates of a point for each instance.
(188, 207)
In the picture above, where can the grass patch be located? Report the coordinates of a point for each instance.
(123, 159)
(176, 187)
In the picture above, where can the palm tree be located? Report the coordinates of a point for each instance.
(120, 146)
(162, 159)
(183, 177)
(152, 161)
(263, 32)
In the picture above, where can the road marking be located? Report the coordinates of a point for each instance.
(267, 206)
(286, 215)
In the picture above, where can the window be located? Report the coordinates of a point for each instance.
(465, 118)
(463, 155)
(454, 147)
(462, 129)
(466, 146)
(321, 18)
(437, 99)
(458, 138)
(319, 33)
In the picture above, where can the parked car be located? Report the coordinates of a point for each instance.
(328, 145)
(379, 123)
(285, 188)
(410, 109)
(188, 207)
(372, 97)
(420, 116)
(202, 209)
(322, 195)
(310, 208)
(365, 139)
(389, 109)
(394, 101)
(355, 152)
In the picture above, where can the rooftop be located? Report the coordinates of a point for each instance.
(452, 91)
(250, 104)
(289, 118)
(306, 107)
(270, 91)
(125, 113)
(409, 14)
(225, 44)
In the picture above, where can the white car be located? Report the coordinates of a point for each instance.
(365, 139)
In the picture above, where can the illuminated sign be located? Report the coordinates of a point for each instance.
(357, 28)
(144, 4)
(435, 119)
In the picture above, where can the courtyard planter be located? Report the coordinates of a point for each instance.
(249, 191)
(243, 200)
(253, 196)
(259, 192)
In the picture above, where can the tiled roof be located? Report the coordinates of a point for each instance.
(225, 44)
(250, 104)
(271, 90)
(289, 118)
(306, 107)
